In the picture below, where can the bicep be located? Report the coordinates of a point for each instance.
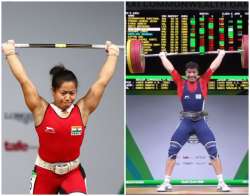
(207, 75)
(178, 81)
(31, 96)
(91, 100)
(176, 76)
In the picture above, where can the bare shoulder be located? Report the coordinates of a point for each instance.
(83, 110)
(39, 111)
(81, 104)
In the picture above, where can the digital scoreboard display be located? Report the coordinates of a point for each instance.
(177, 27)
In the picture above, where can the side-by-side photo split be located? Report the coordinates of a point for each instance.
(124, 97)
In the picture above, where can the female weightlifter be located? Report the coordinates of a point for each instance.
(60, 125)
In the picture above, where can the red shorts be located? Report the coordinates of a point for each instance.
(44, 181)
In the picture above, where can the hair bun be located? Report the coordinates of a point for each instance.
(57, 69)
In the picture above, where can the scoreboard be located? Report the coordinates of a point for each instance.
(188, 27)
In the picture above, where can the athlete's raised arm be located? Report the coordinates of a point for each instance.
(217, 61)
(166, 63)
(90, 101)
(32, 99)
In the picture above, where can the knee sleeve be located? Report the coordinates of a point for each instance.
(212, 150)
(174, 149)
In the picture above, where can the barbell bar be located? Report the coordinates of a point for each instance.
(63, 45)
(191, 53)
(136, 56)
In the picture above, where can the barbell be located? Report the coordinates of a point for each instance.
(136, 56)
(135, 53)
(64, 45)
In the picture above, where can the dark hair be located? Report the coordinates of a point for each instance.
(192, 65)
(60, 74)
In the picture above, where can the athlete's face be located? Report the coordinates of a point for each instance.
(192, 74)
(65, 95)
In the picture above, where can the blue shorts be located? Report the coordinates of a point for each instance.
(187, 128)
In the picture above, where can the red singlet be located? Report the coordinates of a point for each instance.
(60, 139)
(204, 79)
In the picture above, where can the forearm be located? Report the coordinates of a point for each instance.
(166, 63)
(108, 69)
(93, 97)
(217, 62)
(17, 68)
(31, 96)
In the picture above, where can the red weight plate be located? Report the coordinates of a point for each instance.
(244, 54)
(142, 58)
(138, 56)
(132, 56)
(135, 56)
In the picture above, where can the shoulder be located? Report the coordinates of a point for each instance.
(40, 112)
(207, 74)
(175, 73)
(82, 106)
(77, 108)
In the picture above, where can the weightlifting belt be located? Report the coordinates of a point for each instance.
(58, 168)
(194, 115)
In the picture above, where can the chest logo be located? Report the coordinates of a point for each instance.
(186, 97)
(50, 130)
(76, 130)
(197, 96)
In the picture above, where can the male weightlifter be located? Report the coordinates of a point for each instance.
(192, 93)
